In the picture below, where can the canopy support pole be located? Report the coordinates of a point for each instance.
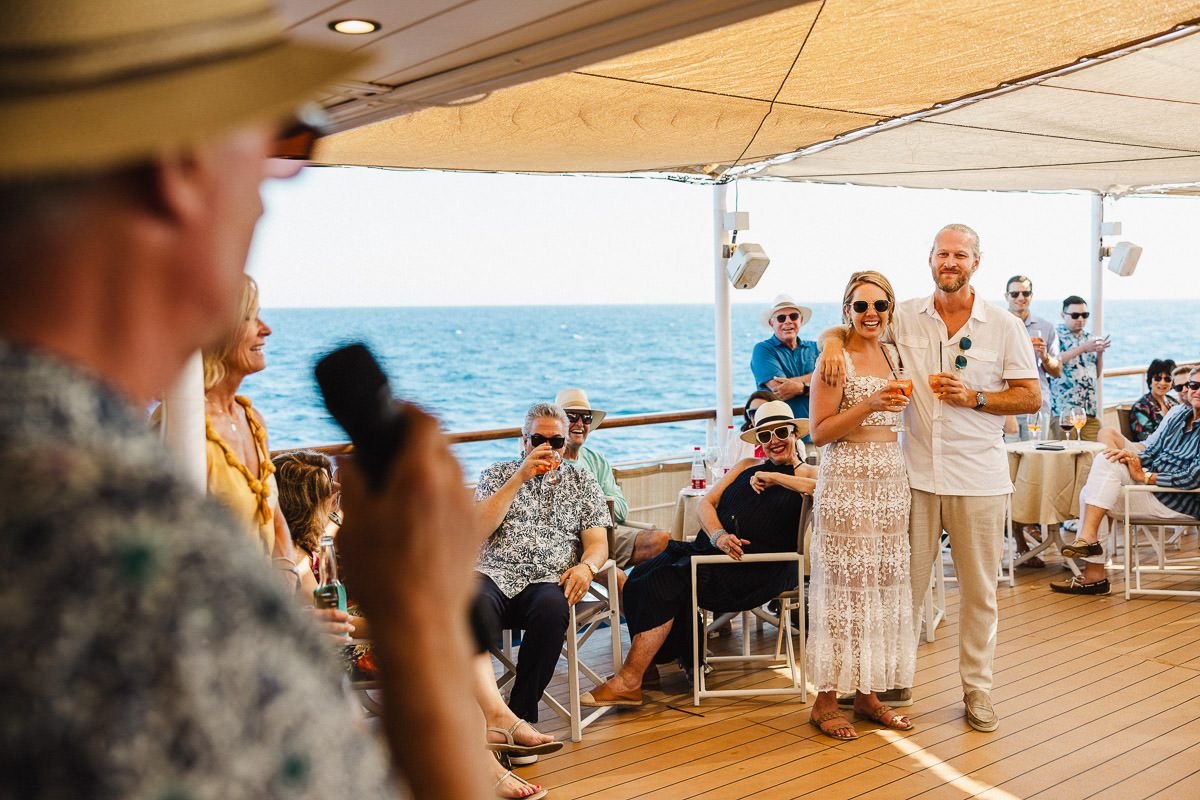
(1097, 307)
(183, 422)
(721, 310)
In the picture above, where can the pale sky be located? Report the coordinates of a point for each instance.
(362, 237)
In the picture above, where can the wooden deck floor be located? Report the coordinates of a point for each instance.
(1099, 697)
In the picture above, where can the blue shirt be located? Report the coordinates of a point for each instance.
(773, 359)
(1175, 456)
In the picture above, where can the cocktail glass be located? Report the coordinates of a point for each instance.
(1035, 422)
(553, 476)
(1078, 420)
(906, 388)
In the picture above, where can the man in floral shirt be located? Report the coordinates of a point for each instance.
(549, 539)
(1079, 353)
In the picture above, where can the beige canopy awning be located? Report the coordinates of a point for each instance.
(1096, 95)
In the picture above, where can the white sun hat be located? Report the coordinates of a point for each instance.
(576, 400)
(773, 413)
(786, 301)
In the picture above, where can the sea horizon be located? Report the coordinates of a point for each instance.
(481, 367)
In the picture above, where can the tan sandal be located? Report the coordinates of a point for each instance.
(832, 733)
(897, 721)
(509, 745)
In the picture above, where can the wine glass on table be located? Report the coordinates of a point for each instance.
(1034, 422)
(1078, 420)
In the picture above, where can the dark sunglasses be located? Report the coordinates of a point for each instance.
(1078, 314)
(298, 138)
(1022, 293)
(1179, 387)
(580, 416)
(782, 318)
(1193, 385)
(1161, 378)
(764, 436)
(860, 306)
(960, 360)
(556, 442)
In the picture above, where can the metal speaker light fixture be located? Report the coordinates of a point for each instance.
(1123, 258)
(746, 266)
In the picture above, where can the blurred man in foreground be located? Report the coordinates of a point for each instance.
(158, 656)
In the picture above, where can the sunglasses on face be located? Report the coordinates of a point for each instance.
(556, 442)
(782, 318)
(1179, 387)
(1078, 314)
(580, 416)
(1193, 385)
(765, 435)
(860, 306)
(1022, 293)
(1161, 378)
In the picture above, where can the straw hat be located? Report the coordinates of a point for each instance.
(576, 400)
(772, 413)
(87, 84)
(785, 301)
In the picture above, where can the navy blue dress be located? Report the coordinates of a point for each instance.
(660, 589)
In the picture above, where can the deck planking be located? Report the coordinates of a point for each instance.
(1099, 697)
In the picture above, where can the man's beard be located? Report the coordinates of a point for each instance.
(954, 284)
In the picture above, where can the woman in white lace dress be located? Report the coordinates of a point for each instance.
(861, 636)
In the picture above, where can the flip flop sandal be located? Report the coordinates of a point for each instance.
(510, 746)
(832, 732)
(897, 722)
(537, 793)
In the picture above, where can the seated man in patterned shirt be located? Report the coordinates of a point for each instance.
(1171, 459)
(548, 541)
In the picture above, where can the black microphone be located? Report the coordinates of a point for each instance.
(358, 396)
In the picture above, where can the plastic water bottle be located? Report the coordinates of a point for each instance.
(331, 593)
(730, 449)
(699, 481)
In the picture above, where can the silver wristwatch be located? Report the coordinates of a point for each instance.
(980, 400)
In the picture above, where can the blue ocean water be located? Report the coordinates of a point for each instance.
(482, 367)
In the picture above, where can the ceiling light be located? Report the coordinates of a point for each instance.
(354, 26)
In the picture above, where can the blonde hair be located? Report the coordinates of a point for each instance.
(305, 482)
(214, 357)
(875, 279)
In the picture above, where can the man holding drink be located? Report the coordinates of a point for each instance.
(979, 368)
(1019, 294)
(1077, 385)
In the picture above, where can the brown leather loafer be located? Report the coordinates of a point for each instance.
(1074, 585)
(980, 714)
(603, 696)
(1079, 548)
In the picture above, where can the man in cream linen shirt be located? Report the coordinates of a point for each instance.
(977, 357)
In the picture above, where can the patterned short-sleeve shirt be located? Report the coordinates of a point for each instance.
(153, 653)
(539, 538)
(1077, 384)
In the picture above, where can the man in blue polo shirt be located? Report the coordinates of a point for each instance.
(1172, 459)
(784, 363)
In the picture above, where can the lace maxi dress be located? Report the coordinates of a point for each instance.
(861, 634)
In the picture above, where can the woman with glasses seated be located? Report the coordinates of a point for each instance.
(755, 508)
(1147, 413)
(861, 638)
